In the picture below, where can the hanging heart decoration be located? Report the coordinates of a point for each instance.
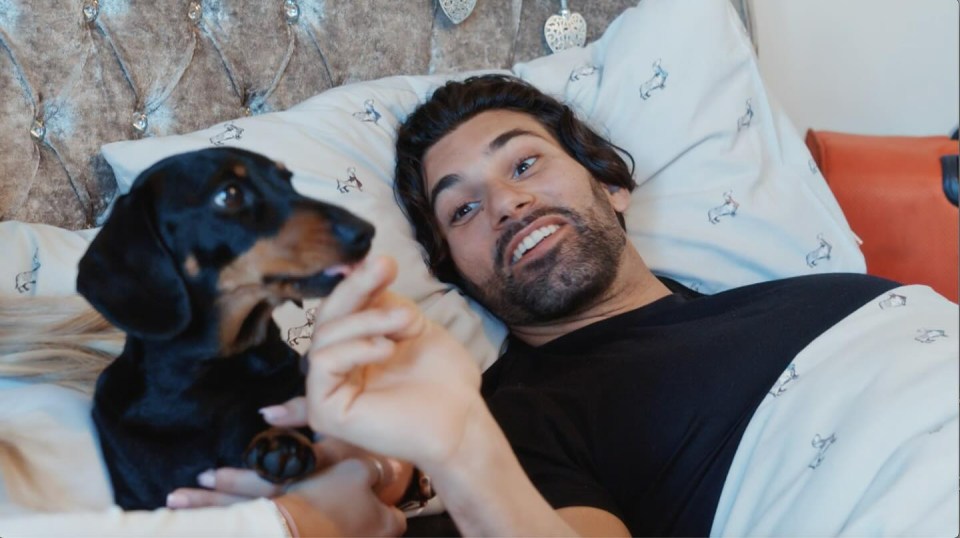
(458, 10)
(566, 30)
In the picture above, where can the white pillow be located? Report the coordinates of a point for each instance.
(729, 194)
(39, 259)
(670, 84)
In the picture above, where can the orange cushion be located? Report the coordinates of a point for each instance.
(890, 189)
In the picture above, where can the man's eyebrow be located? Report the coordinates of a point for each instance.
(501, 140)
(445, 183)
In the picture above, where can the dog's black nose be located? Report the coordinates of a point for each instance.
(354, 234)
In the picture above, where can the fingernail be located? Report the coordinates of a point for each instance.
(274, 412)
(399, 314)
(207, 479)
(177, 500)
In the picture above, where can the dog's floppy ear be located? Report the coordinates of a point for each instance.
(128, 275)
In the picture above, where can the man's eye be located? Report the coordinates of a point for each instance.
(523, 166)
(463, 211)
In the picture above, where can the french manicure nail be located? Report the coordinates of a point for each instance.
(207, 479)
(273, 412)
(177, 500)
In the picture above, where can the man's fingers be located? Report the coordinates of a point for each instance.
(339, 375)
(368, 468)
(398, 522)
(372, 277)
(330, 364)
(366, 324)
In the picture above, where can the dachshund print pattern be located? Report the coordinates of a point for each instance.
(786, 378)
(229, 132)
(893, 300)
(369, 112)
(821, 444)
(745, 120)
(302, 333)
(350, 183)
(727, 208)
(582, 72)
(929, 336)
(25, 281)
(822, 252)
(656, 82)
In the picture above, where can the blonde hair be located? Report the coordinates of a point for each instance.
(59, 340)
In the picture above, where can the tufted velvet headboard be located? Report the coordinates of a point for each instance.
(75, 74)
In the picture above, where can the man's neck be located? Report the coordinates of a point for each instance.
(634, 287)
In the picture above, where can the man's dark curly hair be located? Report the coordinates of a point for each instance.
(456, 102)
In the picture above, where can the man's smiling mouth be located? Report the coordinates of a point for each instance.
(532, 240)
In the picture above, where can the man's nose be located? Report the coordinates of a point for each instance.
(509, 201)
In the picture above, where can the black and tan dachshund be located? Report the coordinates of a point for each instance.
(191, 264)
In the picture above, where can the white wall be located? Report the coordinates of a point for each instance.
(863, 66)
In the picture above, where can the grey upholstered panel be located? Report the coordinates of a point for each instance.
(75, 74)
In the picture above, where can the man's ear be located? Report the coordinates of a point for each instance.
(619, 197)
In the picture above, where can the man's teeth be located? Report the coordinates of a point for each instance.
(533, 240)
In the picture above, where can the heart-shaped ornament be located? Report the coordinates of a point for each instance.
(458, 10)
(565, 31)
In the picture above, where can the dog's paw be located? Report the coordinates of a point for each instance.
(280, 455)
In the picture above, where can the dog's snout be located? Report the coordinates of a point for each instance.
(354, 234)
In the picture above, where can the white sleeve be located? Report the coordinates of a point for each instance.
(257, 518)
(53, 482)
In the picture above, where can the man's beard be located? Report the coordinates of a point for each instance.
(561, 282)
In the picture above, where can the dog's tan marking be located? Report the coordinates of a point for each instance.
(303, 247)
(191, 266)
(240, 170)
(280, 165)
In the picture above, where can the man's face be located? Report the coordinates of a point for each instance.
(533, 235)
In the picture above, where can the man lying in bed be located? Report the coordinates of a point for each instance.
(819, 405)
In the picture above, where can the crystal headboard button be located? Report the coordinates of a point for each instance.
(91, 8)
(291, 11)
(140, 122)
(195, 12)
(38, 130)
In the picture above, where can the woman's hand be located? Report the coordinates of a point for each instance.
(354, 494)
(338, 501)
(341, 502)
(227, 485)
(383, 376)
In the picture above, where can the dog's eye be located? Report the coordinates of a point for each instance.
(229, 197)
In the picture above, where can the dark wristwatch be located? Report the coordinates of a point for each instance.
(418, 492)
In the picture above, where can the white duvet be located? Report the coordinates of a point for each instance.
(859, 436)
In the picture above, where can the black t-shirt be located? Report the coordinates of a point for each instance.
(641, 414)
